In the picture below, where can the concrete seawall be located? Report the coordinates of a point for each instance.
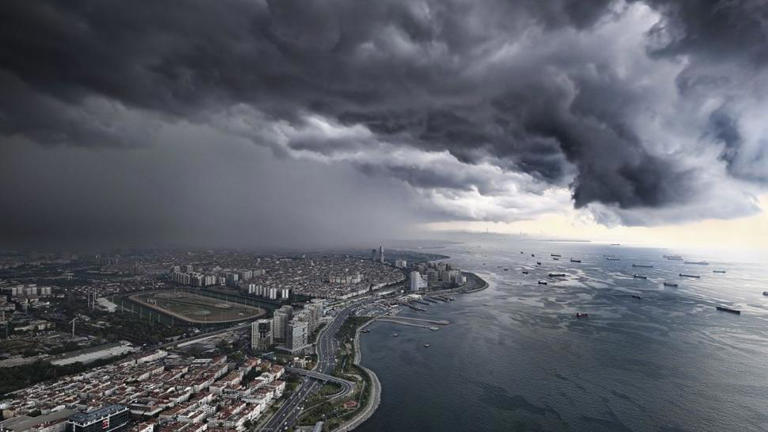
(375, 399)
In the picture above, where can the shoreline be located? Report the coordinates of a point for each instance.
(484, 285)
(375, 400)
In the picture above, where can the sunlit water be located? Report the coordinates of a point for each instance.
(516, 358)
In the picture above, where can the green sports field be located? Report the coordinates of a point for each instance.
(196, 308)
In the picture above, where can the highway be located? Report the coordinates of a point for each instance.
(346, 386)
(326, 346)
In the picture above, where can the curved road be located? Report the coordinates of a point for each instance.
(326, 347)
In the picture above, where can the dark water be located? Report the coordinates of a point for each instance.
(515, 357)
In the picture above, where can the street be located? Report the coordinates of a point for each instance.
(326, 346)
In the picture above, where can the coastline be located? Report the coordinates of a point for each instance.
(375, 400)
(483, 283)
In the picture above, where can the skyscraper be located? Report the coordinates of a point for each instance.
(417, 283)
(381, 254)
(298, 334)
(315, 312)
(280, 322)
(261, 335)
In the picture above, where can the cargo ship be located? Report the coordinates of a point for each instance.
(637, 276)
(673, 257)
(697, 262)
(729, 310)
(670, 284)
(575, 260)
(642, 265)
(690, 276)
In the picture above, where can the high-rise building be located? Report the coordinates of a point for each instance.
(417, 283)
(315, 310)
(298, 334)
(373, 254)
(261, 335)
(401, 263)
(433, 276)
(381, 254)
(280, 322)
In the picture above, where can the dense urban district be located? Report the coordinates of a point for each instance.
(203, 340)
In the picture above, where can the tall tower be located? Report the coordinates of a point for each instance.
(261, 334)
(381, 254)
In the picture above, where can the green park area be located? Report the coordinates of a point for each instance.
(195, 308)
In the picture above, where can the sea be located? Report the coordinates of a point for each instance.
(649, 357)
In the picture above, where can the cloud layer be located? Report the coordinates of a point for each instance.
(641, 112)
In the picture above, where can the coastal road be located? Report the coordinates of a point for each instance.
(326, 346)
(346, 386)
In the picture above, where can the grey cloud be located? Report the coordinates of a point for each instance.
(719, 29)
(461, 77)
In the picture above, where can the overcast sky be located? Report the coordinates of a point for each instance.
(311, 123)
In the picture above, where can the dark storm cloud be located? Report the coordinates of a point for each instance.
(723, 128)
(726, 44)
(719, 29)
(433, 75)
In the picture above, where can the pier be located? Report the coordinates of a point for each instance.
(414, 322)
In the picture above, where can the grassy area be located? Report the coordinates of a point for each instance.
(347, 331)
(196, 308)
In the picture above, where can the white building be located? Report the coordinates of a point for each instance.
(417, 283)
